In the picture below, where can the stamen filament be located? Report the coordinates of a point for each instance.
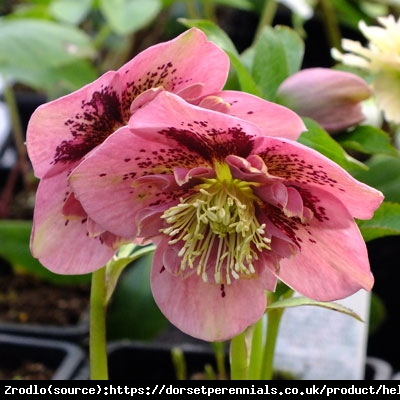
(218, 229)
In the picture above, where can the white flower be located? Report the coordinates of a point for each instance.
(303, 8)
(381, 59)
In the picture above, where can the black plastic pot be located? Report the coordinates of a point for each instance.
(72, 333)
(33, 306)
(131, 360)
(64, 359)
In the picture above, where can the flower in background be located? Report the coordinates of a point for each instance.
(381, 59)
(231, 207)
(61, 132)
(330, 97)
(303, 8)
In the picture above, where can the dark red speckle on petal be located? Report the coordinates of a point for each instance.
(98, 118)
(107, 111)
(211, 143)
(223, 293)
(165, 75)
(293, 168)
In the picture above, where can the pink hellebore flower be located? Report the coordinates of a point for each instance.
(63, 131)
(231, 210)
(330, 97)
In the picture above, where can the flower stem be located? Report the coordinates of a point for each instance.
(209, 10)
(178, 359)
(331, 24)
(238, 357)
(192, 10)
(219, 352)
(274, 316)
(267, 16)
(274, 319)
(97, 338)
(18, 133)
(256, 355)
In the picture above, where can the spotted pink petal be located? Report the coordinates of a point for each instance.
(306, 168)
(116, 170)
(150, 149)
(62, 131)
(332, 261)
(271, 118)
(207, 311)
(64, 244)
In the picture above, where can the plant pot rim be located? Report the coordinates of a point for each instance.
(74, 333)
(71, 356)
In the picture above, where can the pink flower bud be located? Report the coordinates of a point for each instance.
(330, 97)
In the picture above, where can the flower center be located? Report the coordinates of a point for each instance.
(217, 226)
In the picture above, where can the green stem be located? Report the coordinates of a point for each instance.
(101, 37)
(18, 133)
(239, 357)
(97, 339)
(331, 24)
(267, 369)
(191, 10)
(256, 350)
(179, 362)
(274, 316)
(267, 17)
(209, 10)
(219, 352)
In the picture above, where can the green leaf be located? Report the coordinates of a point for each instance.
(132, 312)
(28, 47)
(317, 138)
(278, 53)
(377, 314)
(128, 16)
(349, 13)
(214, 33)
(57, 81)
(383, 174)
(367, 139)
(304, 301)
(293, 46)
(125, 256)
(14, 248)
(67, 78)
(33, 9)
(270, 66)
(246, 82)
(385, 222)
(70, 11)
(246, 5)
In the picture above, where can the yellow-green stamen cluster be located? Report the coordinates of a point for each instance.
(221, 215)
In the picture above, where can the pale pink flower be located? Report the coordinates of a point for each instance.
(232, 208)
(63, 131)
